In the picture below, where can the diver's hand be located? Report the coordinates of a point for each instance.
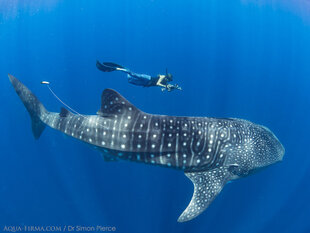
(170, 87)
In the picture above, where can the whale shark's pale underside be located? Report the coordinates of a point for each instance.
(211, 151)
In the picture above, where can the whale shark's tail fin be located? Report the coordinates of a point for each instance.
(32, 104)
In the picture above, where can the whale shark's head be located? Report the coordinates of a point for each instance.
(273, 149)
(258, 149)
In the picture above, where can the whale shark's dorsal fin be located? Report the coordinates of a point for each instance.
(112, 103)
(65, 112)
(206, 187)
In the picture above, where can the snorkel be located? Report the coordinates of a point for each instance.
(168, 76)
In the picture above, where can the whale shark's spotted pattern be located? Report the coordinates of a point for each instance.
(211, 151)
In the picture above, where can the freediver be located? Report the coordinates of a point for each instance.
(144, 80)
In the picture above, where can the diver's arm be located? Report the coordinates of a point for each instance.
(159, 82)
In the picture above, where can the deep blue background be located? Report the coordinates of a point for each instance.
(232, 58)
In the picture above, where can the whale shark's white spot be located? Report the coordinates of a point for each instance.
(184, 155)
(170, 135)
(199, 132)
(123, 146)
(139, 136)
(171, 121)
(141, 125)
(208, 156)
(103, 143)
(154, 135)
(130, 108)
(104, 132)
(156, 124)
(153, 145)
(184, 143)
(152, 155)
(169, 144)
(90, 140)
(184, 161)
(169, 164)
(139, 146)
(185, 134)
(126, 125)
(87, 129)
(211, 141)
(209, 150)
(74, 125)
(72, 134)
(144, 117)
(129, 117)
(124, 136)
(168, 155)
(171, 127)
(198, 161)
(113, 135)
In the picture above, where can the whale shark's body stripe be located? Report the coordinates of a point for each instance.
(211, 151)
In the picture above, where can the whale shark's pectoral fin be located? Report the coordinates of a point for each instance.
(206, 186)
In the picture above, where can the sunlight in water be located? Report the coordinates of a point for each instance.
(299, 7)
(12, 8)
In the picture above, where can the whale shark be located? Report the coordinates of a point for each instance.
(210, 151)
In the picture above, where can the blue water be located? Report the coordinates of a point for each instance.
(244, 59)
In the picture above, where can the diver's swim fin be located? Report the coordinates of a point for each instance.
(108, 66)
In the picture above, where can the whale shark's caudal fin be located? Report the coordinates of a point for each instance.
(206, 187)
(32, 104)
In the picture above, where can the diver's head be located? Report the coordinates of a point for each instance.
(169, 77)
